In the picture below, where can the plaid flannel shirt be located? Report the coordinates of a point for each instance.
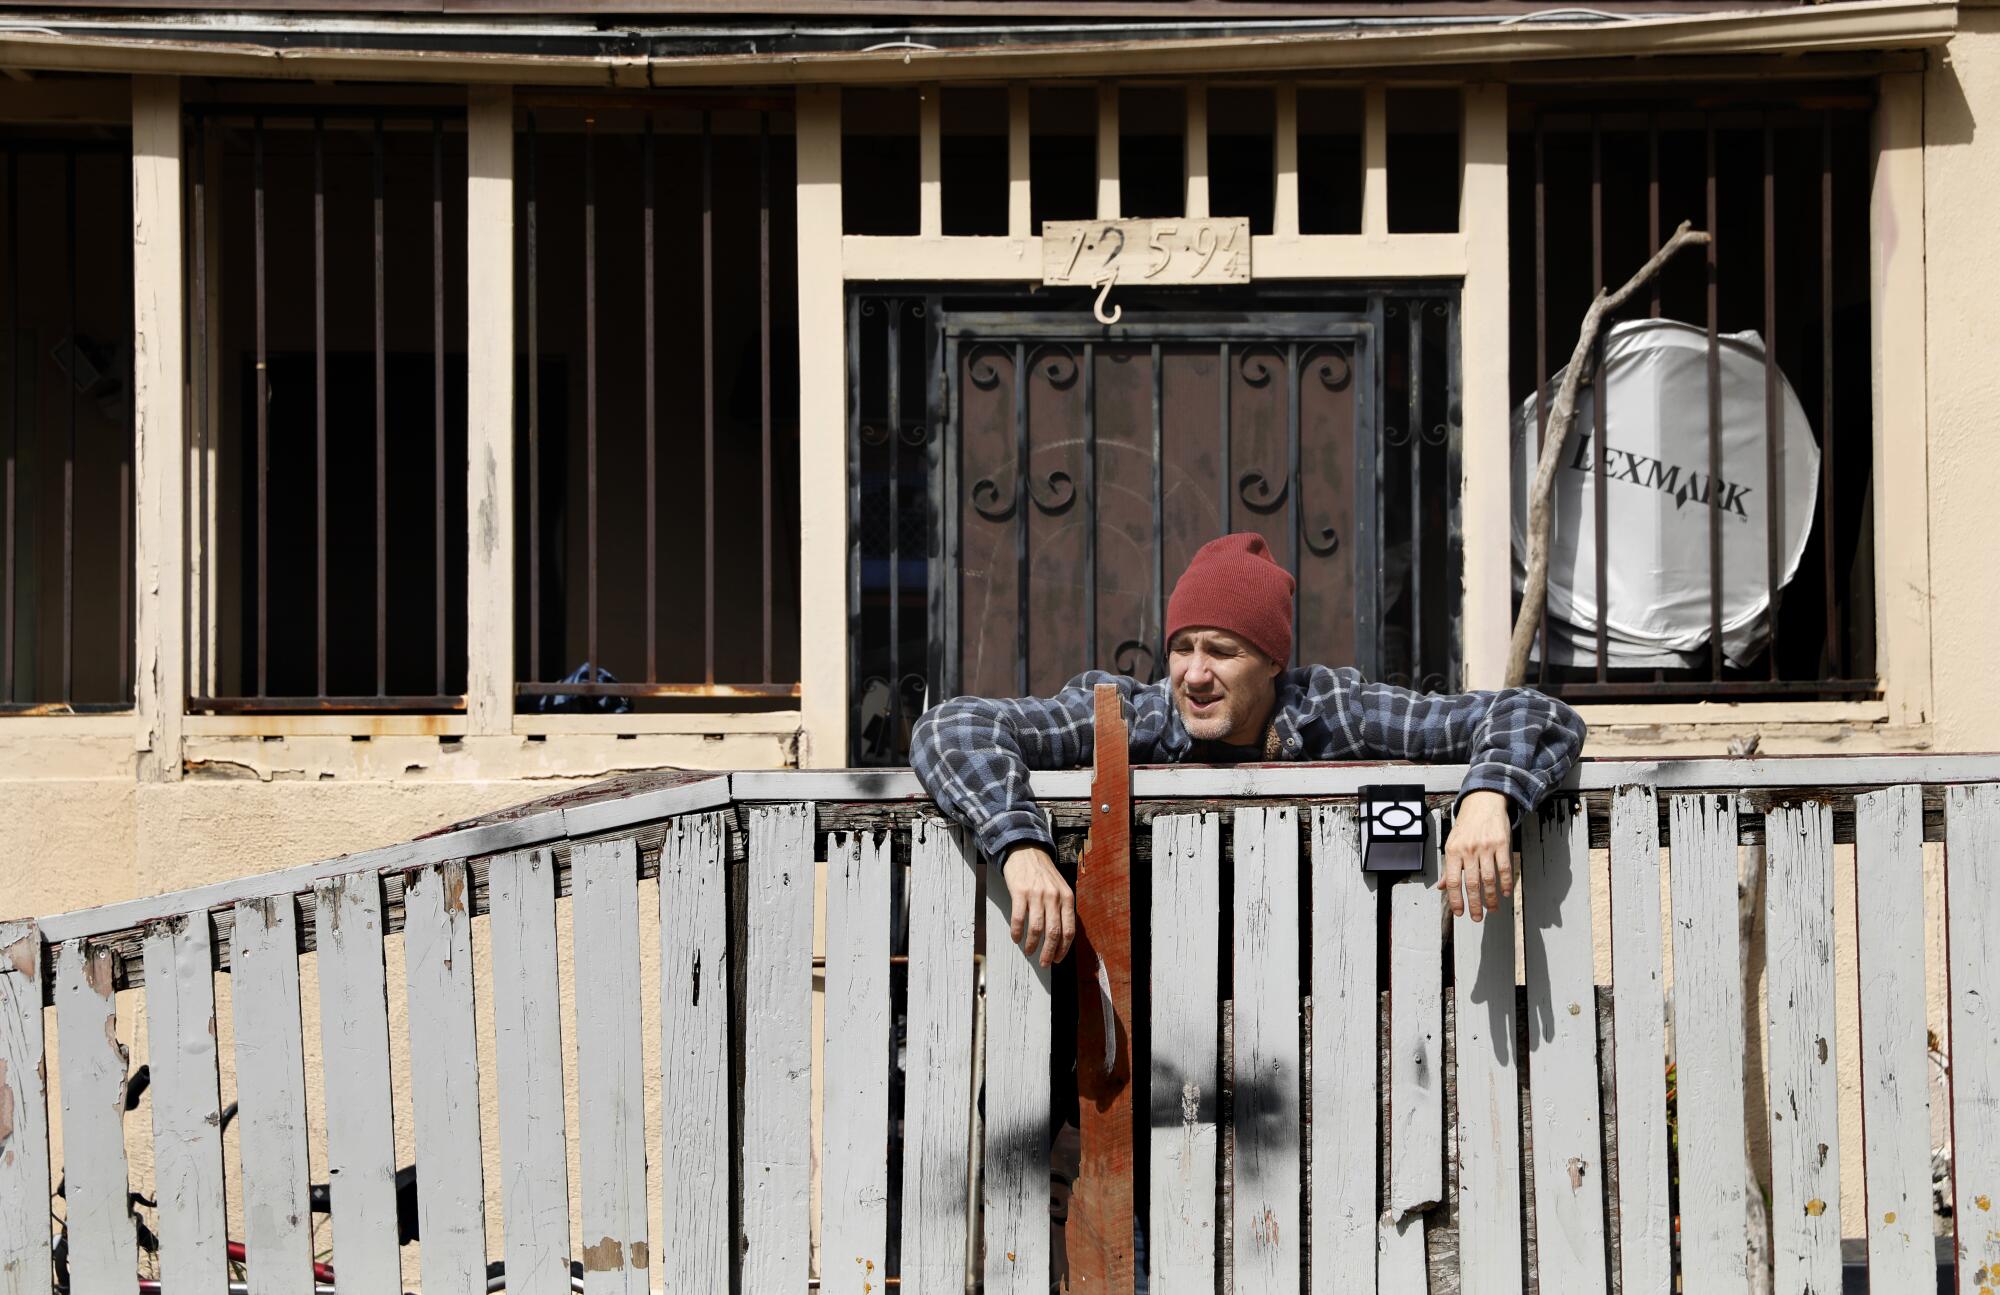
(973, 754)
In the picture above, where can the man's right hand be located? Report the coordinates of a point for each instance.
(1044, 906)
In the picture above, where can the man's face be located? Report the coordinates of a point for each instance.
(1223, 686)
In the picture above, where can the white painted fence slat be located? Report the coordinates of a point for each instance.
(1639, 1042)
(1973, 942)
(103, 1254)
(437, 960)
(25, 1260)
(1895, 1061)
(1019, 1032)
(1401, 1263)
(777, 1049)
(1708, 1042)
(610, 1066)
(354, 1040)
(1489, 1104)
(938, 1093)
(1267, 1060)
(1798, 960)
(1972, 858)
(527, 1046)
(1346, 1083)
(271, 1095)
(1562, 1048)
(854, 1128)
(1416, 1037)
(1186, 987)
(187, 1104)
(694, 1073)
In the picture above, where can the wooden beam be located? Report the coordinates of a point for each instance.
(1375, 163)
(1101, 1242)
(159, 465)
(1285, 151)
(489, 447)
(1108, 198)
(930, 162)
(1486, 503)
(822, 434)
(1195, 206)
(1019, 169)
(1897, 350)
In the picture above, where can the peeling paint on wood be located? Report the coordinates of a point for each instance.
(102, 1250)
(1267, 1050)
(610, 1058)
(527, 1007)
(1488, 1124)
(1645, 1225)
(1972, 907)
(694, 1077)
(937, 1130)
(354, 1042)
(1187, 985)
(1345, 1089)
(1015, 1165)
(1416, 1036)
(854, 1130)
(1895, 1062)
(1708, 1043)
(24, 1142)
(777, 1051)
(271, 1087)
(187, 1104)
(1562, 1047)
(1798, 960)
(437, 961)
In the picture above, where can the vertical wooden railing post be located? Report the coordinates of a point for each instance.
(1100, 1237)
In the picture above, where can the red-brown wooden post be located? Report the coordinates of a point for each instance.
(1100, 1240)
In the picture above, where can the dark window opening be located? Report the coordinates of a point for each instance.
(1614, 180)
(1152, 152)
(658, 513)
(66, 629)
(326, 251)
(1424, 128)
(1062, 155)
(973, 164)
(1330, 130)
(1242, 155)
(878, 161)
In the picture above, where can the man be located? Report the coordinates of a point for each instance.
(1228, 698)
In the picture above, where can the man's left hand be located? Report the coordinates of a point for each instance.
(1479, 854)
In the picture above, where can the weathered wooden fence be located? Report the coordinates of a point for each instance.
(1304, 1130)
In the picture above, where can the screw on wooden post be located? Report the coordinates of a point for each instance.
(1100, 1240)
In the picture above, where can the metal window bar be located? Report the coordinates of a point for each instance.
(1760, 127)
(204, 121)
(537, 133)
(26, 685)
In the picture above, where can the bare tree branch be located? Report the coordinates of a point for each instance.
(1562, 414)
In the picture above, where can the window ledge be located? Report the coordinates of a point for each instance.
(1621, 714)
(783, 722)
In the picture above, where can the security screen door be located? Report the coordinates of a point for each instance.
(1025, 486)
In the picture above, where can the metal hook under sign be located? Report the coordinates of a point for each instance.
(1103, 291)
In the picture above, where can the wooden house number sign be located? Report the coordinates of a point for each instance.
(1184, 251)
(1102, 253)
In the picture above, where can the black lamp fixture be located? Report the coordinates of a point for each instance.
(1392, 815)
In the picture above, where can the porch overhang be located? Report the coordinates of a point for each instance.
(441, 50)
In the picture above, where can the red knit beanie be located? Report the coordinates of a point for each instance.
(1234, 584)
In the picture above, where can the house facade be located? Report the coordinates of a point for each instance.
(416, 410)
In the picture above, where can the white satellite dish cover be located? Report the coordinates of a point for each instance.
(1658, 491)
